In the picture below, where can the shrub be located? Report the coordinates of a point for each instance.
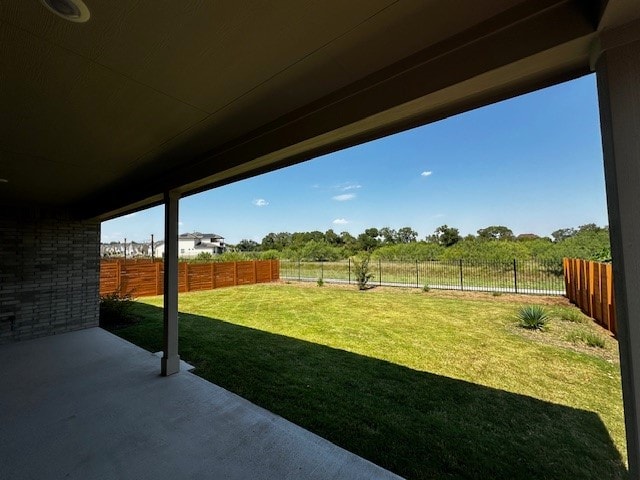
(592, 339)
(361, 267)
(496, 294)
(533, 317)
(571, 315)
(269, 255)
(426, 288)
(115, 309)
(320, 282)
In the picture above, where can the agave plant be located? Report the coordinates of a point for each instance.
(533, 317)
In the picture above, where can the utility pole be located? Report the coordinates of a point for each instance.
(125, 249)
(152, 253)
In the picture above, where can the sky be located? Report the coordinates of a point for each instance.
(532, 163)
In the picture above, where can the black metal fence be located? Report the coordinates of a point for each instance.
(516, 276)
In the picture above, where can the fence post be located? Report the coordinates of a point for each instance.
(235, 273)
(213, 275)
(186, 276)
(158, 278)
(417, 279)
(380, 271)
(349, 270)
(118, 277)
(565, 271)
(515, 275)
(255, 271)
(461, 278)
(299, 278)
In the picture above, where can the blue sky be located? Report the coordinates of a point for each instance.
(532, 163)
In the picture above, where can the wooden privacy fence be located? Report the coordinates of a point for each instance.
(143, 279)
(589, 285)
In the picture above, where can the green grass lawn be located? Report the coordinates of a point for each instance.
(428, 385)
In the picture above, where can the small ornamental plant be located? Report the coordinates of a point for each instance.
(363, 274)
(533, 317)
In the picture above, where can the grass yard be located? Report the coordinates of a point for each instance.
(428, 385)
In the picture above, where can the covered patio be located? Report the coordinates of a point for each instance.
(101, 410)
(107, 108)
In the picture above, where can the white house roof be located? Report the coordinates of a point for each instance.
(198, 236)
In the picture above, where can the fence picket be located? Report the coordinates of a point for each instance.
(590, 287)
(142, 279)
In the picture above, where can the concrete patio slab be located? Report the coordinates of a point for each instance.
(89, 405)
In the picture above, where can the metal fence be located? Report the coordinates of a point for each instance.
(516, 276)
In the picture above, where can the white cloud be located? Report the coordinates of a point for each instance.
(344, 197)
(426, 173)
(340, 221)
(181, 223)
(260, 202)
(349, 186)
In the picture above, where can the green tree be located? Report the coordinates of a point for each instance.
(247, 245)
(317, 251)
(332, 238)
(369, 240)
(525, 237)
(406, 235)
(495, 232)
(483, 250)
(446, 236)
(409, 252)
(276, 241)
(563, 234)
(389, 235)
(349, 242)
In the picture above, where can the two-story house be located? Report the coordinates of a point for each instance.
(192, 244)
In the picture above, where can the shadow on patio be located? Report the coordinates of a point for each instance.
(88, 405)
(433, 426)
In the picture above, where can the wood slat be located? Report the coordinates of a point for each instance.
(589, 285)
(142, 277)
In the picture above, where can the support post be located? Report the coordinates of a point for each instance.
(170, 362)
(618, 75)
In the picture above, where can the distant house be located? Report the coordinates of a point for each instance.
(129, 249)
(192, 244)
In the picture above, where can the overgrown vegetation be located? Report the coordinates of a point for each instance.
(533, 317)
(115, 309)
(429, 386)
(572, 315)
(495, 243)
(590, 338)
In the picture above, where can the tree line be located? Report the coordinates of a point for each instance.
(495, 242)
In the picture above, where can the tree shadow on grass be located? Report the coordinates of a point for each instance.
(414, 423)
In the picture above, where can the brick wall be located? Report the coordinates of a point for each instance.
(49, 273)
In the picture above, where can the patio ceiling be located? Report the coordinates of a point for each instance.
(148, 95)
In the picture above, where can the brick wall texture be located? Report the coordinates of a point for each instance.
(49, 273)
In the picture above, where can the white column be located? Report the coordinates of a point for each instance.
(618, 74)
(170, 362)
